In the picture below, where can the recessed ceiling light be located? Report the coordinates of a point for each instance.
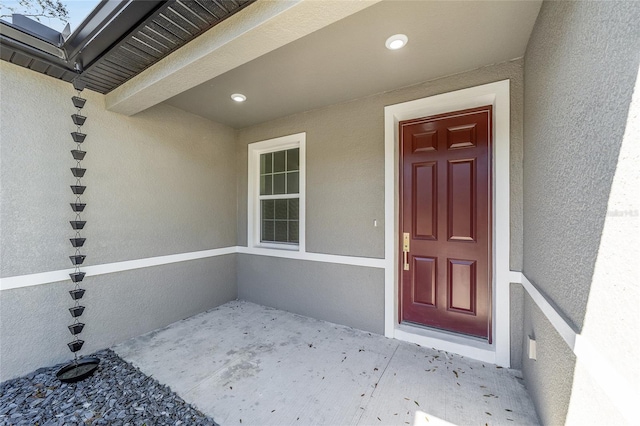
(396, 42)
(238, 97)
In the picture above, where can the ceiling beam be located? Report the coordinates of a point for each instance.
(260, 28)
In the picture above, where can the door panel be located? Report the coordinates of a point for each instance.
(461, 285)
(461, 197)
(445, 206)
(425, 201)
(424, 274)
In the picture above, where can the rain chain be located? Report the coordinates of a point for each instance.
(78, 369)
(78, 224)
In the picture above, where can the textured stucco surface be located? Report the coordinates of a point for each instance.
(345, 164)
(580, 71)
(581, 203)
(155, 186)
(343, 294)
(549, 377)
(33, 320)
(155, 182)
(516, 298)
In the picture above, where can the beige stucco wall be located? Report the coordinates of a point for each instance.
(155, 186)
(581, 173)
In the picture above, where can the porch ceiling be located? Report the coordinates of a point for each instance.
(243, 363)
(347, 59)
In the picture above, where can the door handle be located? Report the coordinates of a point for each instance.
(405, 250)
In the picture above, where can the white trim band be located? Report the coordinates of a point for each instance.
(368, 262)
(108, 268)
(29, 280)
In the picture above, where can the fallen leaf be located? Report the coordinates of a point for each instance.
(378, 418)
(362, 395)
(407, 399)
(456, 373)
(417, 403)
(506, 409)
(273, 411)
(486, 412)
(426, 418)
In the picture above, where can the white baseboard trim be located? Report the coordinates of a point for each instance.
(29, 280)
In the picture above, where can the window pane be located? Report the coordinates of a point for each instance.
(278, 161)
(293, 185)
(265, 185)
(281, 231)
(268, 209)
(281, 209)
(293, 231)
(265, 163)
(293, 209)
(267, 230)
(293, 159)
(278, 183)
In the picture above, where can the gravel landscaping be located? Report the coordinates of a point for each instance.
(116, 394)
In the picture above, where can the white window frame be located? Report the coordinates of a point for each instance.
(256, 149)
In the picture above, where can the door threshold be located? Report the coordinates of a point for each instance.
(466, 346)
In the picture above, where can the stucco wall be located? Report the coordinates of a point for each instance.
(345, 194)
(343, 294)
(581, 67)
(155, 186)
(345, 164)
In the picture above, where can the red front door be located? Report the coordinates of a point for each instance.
(445, 222)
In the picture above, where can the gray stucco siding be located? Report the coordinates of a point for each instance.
(343, 294)
(345, 164)
(33, 320)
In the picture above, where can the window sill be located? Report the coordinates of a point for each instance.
(285, 247)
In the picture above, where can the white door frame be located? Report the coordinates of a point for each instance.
(496, 94)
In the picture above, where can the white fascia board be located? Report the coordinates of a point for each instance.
(259, 29)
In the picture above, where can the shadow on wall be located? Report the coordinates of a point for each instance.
(581, 67)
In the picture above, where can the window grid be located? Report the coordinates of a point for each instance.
(279, 196)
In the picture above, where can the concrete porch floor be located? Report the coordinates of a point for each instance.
(243, 363)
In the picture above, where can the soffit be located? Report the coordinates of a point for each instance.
(348, 59)
(117, 41)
